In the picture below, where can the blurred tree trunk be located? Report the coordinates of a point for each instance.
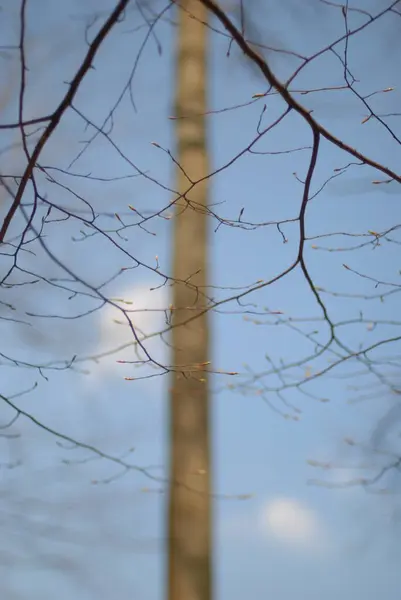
(190, 503)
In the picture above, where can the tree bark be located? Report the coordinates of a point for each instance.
(189, 532)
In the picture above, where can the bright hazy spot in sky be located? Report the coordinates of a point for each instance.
(291, 522)
(145, 308)
(148, 310)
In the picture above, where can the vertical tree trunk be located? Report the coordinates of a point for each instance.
(190, 503)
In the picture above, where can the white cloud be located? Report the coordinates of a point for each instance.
(280, 519)
(146, 309)
(292, 523)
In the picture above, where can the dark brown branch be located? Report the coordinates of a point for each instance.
(59, 112)
(286, 95)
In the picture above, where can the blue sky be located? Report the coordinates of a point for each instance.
(62, 533)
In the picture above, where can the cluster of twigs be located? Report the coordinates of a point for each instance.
(33, 215)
